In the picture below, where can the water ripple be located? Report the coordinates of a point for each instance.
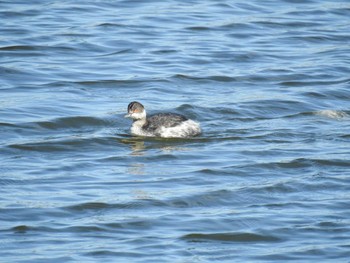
(269, 83)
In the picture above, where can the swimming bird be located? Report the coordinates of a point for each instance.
(166, 125)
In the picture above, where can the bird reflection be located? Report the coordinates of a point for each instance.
(139, 146)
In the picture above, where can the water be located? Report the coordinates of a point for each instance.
(268, 180)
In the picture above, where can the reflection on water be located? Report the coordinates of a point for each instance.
(137, 145)
(141, 194)
(136, 169)
(138, 148)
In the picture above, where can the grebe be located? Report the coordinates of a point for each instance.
(166, 125)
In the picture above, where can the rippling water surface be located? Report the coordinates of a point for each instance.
(267, 180)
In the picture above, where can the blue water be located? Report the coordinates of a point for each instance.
(267, 180)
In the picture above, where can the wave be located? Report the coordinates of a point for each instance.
(230, 237)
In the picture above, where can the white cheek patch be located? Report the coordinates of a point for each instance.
(138, 115)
